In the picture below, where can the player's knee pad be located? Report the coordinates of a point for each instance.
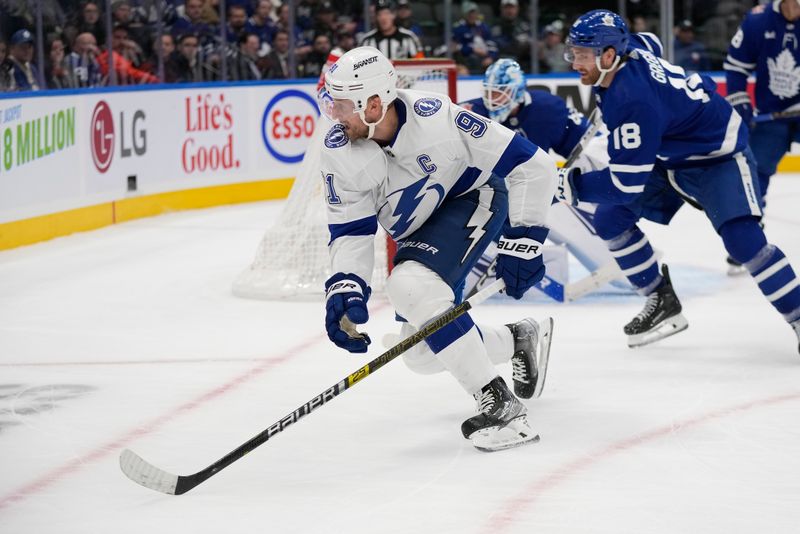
(612, 220)
(743, 238)
(417, 293)
(420, 358)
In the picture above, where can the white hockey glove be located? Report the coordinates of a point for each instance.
(565, 192)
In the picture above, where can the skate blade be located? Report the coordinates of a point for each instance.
(667, 327)
(545, 337)
(737, 270)
(514, 434)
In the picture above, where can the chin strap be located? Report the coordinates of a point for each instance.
(372, 125)
(603, 71)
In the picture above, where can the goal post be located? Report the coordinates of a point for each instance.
(292, 260)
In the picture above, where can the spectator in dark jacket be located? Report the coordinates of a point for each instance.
(245, 59)
(689, 54)
(473, 39)
(185, 64)
(511, 33)
(277, 61)
(315, 60)
(56, 72)
(24, 74)
(87, 20)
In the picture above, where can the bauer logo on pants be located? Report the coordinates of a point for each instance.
(288, 124)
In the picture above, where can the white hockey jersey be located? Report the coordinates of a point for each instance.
(440, 151)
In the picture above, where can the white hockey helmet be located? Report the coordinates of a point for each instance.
(356, 76)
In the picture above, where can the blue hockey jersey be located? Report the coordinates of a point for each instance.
(654, 112)
(543, 118)
(768, 44)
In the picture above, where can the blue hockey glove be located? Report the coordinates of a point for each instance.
(565, 190)
(519, 258)
(741, 103)
(346, 297)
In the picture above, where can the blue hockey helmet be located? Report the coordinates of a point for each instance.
(503, 88)
(599, 29)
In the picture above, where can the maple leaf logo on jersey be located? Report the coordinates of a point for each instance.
(784, 75)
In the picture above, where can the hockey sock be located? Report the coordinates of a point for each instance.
(460, 348)
(499, 342)
(777, 281)
(745, 241)
(418, 294)
(634, 255)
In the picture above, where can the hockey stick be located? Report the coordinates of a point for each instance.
(547, 286)
(150, 476)
(778, 115)
(595, 280)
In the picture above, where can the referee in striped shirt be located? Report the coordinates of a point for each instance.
(393, 42)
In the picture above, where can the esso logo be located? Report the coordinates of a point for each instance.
(102, 136)
(288, 125)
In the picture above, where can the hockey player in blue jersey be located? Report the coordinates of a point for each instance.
(441, 181)
(768, 44)
(672, 139)
(551, 124)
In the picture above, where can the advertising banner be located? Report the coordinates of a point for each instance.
(69, 150)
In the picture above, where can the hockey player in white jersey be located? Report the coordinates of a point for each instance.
(441, 181)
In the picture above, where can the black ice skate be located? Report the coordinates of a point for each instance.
(531, 354)
(734, 267)
(660, 318)
(501, 422)
(796, 326)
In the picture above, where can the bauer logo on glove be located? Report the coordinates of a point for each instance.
(524, 248)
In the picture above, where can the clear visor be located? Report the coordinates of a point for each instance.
(497, 96)
(334, 109)
(580, 54)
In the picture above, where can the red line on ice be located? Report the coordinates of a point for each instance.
(114, 446)
(505, 519)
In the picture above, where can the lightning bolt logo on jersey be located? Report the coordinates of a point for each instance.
(414, 201)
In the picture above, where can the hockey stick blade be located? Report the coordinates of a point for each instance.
(146, 474)
(151, 477)
(595, 280)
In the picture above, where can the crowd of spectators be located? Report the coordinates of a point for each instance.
(171, 41)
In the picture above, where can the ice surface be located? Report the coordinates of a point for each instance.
(129, 337)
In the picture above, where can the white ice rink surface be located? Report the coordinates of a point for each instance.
(129, 337)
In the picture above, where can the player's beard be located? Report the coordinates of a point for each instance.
(590, 78)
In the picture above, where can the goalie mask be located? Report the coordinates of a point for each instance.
(598, 30)
(358, 75)
(503, 88)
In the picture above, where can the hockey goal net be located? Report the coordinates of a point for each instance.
(292, 259)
